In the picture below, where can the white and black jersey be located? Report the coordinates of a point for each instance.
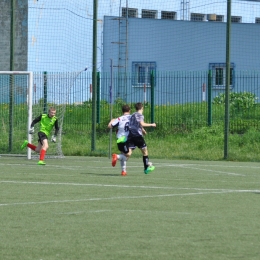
(121, 123)
(135, 128)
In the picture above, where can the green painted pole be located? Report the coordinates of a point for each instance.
(152, 96)
(45, 84)
(11, 86)
(227, 90)
(98, 97)
(94, 76)
(209, 98)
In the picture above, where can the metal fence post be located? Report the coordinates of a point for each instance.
(209, 98)
(98, 97)
(152, 95)
(45, 92)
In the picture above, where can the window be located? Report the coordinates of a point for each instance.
(236, 19)
(141, 73)
(257, 20)
(168, 15)
(219, 74)
(197, 17)
(132, 12)
(220, 18)
(149, 14)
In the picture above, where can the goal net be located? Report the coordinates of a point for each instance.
(26, 95)
(16, 110)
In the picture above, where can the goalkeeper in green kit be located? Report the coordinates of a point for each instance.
(47, 122)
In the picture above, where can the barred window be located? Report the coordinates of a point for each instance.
(132, 12)
(141, 73)
(236, 19)
(168, 15)
(149, 14)
(220, 18)
(197, 17)
(219, 74)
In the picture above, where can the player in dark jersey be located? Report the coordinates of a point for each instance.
(135, 137)
(47, 122)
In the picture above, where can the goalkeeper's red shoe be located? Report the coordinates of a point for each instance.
(114, 159)
(123, 173)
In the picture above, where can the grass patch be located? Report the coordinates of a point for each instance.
(82, 208)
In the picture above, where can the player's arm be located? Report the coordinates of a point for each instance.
(143, 124)
(56, 125)
(35, 121)
(143, 131)
(110, 123)
(113, 123)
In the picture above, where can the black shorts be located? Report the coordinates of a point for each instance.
(123, 147)
(136, 141)
(42, 136)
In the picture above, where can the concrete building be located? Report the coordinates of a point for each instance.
(20, 34)
(192, 48)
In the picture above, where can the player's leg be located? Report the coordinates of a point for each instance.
(123, 164)
(27, 144)
(123, 148)
(122, 157)
(148, 167)
(43, 146)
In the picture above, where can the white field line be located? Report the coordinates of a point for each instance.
(126, 186)
(37, 166)
(134, 165)
(106, 167)
(187, 166)
(205, 165)
(228, 173)
(122, 210)
(114, 186)
(205, 192)
(119, 198)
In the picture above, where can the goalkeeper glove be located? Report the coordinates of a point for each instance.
(53, 138)
(31, 131)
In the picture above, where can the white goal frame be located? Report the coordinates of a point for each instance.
(29, 102)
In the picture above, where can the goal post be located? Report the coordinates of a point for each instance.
(16, 88)
(26, 95)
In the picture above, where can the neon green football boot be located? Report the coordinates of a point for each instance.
(24, 144)
(41, 162)
(149, 169)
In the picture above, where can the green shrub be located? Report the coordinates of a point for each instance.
(238, 101)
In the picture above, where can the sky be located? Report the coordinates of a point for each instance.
(61, 31)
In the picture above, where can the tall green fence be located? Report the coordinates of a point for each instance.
(176, 101)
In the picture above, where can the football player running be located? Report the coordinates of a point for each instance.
(122, 132)
(47, 122)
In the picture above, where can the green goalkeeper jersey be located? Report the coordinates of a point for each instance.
(46, 123)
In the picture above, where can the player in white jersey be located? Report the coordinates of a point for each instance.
(122, 132)
(135, 137)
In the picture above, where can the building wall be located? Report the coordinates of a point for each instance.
(182, 46)
(21, 35)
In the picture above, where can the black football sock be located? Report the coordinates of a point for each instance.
(145, 161)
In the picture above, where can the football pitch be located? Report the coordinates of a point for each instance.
(82, 208)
